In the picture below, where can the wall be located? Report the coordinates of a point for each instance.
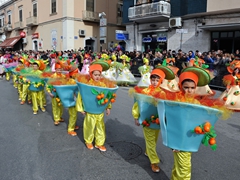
(216, 5)
(190, 41)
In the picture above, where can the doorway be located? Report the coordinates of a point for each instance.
(89, 45)
(35, 45)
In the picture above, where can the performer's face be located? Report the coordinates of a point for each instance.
(155, 82)
(189, 87)
(96, 75)
(35, 67)
(58, 70)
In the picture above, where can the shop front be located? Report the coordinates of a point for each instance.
(228, 41)
(154, 41)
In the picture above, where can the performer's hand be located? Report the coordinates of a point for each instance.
(108, 112)
(51, 95)
(137, 122)
(174, 150)
(83, 113)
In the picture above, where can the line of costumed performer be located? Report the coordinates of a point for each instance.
(96, 94)
(180, 132)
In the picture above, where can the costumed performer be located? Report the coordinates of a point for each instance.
(151, 134)
(93, 125)
(37, 96)
(57, 108)
(124, 75)
(188, 82)
(232, 82)
(86, 62)
(145, 71)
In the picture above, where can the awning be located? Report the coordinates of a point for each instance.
(10, 42)
(221, 27)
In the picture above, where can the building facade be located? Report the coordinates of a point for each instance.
(59, 24)
(182, 24)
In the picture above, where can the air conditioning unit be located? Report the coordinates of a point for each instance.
(24, 40)
(175, 22)
(81, 32)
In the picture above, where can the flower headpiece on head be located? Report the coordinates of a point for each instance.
(104, 64)
(198, 75)
(125, 57)
(145, 60)
(40, 64)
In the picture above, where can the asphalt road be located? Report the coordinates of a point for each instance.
(32, 148)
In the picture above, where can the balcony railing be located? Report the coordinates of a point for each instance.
(149, 10)
(18, 25)
(8, 27)
(32, 21)
(90, 16)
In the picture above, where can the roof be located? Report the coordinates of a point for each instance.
(10, 42)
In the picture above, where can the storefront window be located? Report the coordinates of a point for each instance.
(237, 33)
(156, 41)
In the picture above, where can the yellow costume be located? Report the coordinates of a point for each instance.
(8, 74)
(93, 125)
(37, 96)
(150, 135)
(57, 109)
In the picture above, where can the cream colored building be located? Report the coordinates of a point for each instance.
(59, 24)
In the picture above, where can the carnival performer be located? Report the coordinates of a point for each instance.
(145, 71)
(86, 62)
(188, 82)
(18, 78)
(125, 77)
(93, 125)
(200, 63)
(37, 94)
(57, 108)
(151, 128)
(232, 82)
(26, 93)
(111, 72)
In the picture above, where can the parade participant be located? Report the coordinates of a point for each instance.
(111, 72)
(145, 71)
(25, 87)
(188, 82)
(93, 125)
(151, 132)
(37, 96)
(232, 81)
(86, 63)
(17, 70)
(125, 77)
(57, 108)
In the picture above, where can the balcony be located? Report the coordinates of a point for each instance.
(1, 30)
(8, 27)
(90, 16)
(18, 25)
(119, 20)
(32, 21)
(150, 12)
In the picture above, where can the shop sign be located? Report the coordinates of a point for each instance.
(22, 34)
(35, 35)
(162, 39)
(147, 39)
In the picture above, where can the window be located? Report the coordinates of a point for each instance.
(1, 23)
(119, 10)
(20, 15)
(90, 5)
(54, 6)
(35, 10)
(9, 17)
